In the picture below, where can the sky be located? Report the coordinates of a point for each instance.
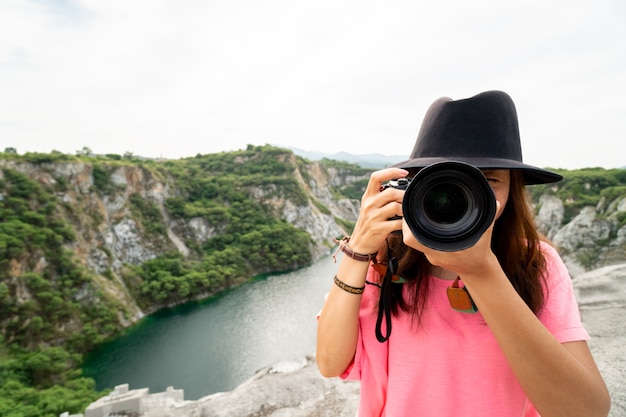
(173, 79)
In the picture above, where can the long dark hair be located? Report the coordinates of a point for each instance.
(515, 242)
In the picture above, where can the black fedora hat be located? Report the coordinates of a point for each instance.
(481, 130)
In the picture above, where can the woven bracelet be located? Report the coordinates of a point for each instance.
(343, 246)
(348, 288)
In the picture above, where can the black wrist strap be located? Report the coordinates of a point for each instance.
(384, 302)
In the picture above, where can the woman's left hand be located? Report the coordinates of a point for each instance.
(474, 261)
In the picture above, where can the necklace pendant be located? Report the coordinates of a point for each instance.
(460, 299)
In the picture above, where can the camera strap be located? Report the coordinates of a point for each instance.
(384, 302)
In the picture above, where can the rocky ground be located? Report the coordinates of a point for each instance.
(602, 298)
(297, 392)
(296, 389)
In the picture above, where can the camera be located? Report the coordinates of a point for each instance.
(447, 205)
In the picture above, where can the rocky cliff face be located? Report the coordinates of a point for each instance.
(110, 235)
(593, 238)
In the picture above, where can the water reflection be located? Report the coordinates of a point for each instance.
(213, 346)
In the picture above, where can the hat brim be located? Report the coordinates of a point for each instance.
(532, 175)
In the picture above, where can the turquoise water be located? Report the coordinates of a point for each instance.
(213, 346)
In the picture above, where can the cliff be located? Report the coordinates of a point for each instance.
(126, 214)
(585, 217)
(90, 244)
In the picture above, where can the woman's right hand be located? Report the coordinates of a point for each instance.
(338, 329)
(377, 208)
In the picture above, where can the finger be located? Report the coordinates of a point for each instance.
(392, 210)
(378, 178)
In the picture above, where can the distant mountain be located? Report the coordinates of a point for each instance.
(366, 161)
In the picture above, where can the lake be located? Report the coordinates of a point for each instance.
(215, 345)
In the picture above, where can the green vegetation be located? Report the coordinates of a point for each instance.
(44, 382)
(36, 157)
(169, 279)
(222, 189)
(53, 310)
(50, 314)
(148, 214)
(102, 182)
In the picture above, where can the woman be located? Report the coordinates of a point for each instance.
(523, 353)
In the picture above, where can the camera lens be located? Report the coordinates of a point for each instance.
(449, 205)
(445, 203)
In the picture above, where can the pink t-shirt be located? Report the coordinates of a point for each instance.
(451, 366)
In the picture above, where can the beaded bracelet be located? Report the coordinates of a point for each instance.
(343, 246)
(348, 288)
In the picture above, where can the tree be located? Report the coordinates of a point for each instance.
(85, 151)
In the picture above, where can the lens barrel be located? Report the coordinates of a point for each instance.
(449, 205)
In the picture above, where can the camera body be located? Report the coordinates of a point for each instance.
(447, 205)
(400, 184)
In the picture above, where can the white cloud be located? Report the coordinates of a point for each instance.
(173, 79)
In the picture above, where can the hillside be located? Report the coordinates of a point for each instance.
(91, 244)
